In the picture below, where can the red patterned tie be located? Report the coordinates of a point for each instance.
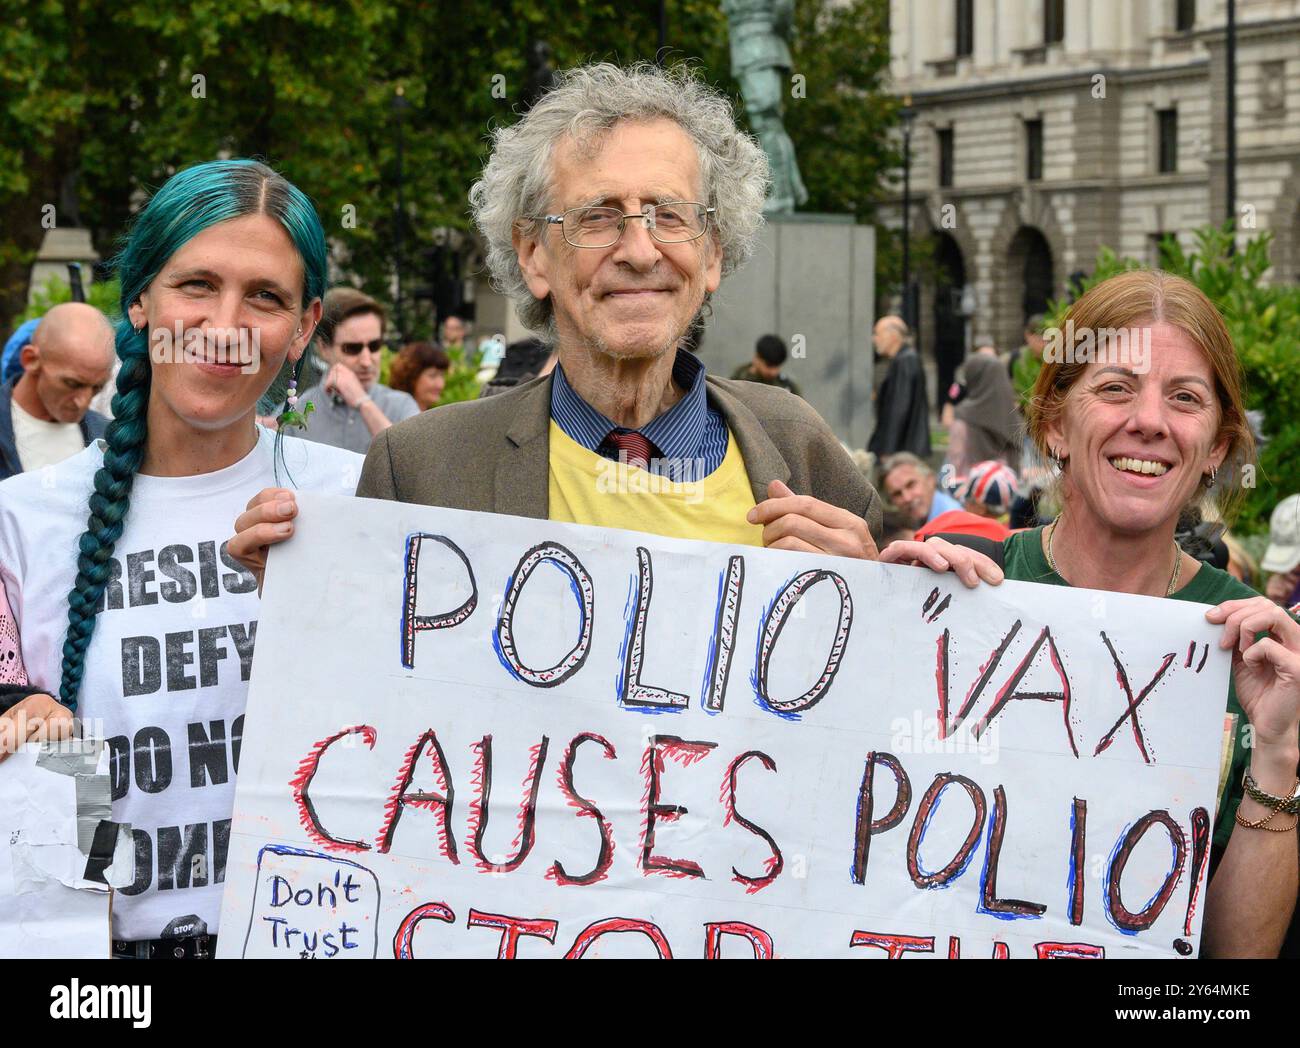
(633, 448)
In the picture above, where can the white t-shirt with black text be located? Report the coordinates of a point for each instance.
(166, 674)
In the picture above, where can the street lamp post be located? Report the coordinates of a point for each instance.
(908, 117)
(400, 105)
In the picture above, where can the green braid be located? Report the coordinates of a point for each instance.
(109, 503)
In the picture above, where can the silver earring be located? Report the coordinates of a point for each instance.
(1056, 459)
(1213, 477)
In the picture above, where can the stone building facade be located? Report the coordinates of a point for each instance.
(1047, 129)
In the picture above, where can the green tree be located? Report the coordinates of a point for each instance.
(127, 94)
(841, 127)
(103, 295)
(840, 115)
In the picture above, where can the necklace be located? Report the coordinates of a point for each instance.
(1173, 579)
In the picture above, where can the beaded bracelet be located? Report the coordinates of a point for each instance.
(1290, 805)
(1279, 806)
(1263, 824)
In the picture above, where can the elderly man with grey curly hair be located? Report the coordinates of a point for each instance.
(611, 213)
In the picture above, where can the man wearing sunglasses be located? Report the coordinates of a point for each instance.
(351, 404)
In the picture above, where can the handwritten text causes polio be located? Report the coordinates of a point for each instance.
(533, 739)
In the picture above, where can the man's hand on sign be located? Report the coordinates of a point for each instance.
(937, 555)
(801, 522)
(38, 718)
(268, 520)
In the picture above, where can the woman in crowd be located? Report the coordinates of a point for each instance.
(135, 615)
(986, 424)
(420, 370)
(1134, 447)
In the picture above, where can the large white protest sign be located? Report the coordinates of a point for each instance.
(471, 735)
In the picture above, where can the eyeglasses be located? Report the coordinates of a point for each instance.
(676, 222)
(351, 349)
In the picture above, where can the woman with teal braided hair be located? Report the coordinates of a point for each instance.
(134, 614)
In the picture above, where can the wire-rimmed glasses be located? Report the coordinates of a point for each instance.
(675, 222)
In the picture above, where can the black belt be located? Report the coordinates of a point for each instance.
(195, 947)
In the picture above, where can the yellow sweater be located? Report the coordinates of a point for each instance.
(586, 488)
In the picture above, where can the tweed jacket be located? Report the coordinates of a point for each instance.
(493, 454)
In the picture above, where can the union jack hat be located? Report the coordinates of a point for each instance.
(993, 483)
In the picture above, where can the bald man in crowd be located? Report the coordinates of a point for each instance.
(902, 410)
(45, 414)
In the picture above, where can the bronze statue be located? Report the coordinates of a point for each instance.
(759, 31)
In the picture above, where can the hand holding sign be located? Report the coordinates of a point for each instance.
(968, 565)
(38, 718)
(808, 525)
(1266, 670)
(267, 521)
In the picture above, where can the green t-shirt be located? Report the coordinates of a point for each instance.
(1023, 561)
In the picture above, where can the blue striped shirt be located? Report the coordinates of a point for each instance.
(691, 436)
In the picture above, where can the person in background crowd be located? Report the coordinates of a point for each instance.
(227, 245)
(769, 355)
(957, 391)
(1136, 450)
(986, 425)
(45, 414)
(910, 484)
(1282, 558)
(420, 371)
(351, 405)
(985, 496)
(1026, 362)
(11, 365)
(455, 336)
(988, 489)
(902, 410)
(963, 522)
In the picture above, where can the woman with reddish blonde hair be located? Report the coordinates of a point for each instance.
(1139, 407)
(420, 370)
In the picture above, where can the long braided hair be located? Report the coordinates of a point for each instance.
(188, 203)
